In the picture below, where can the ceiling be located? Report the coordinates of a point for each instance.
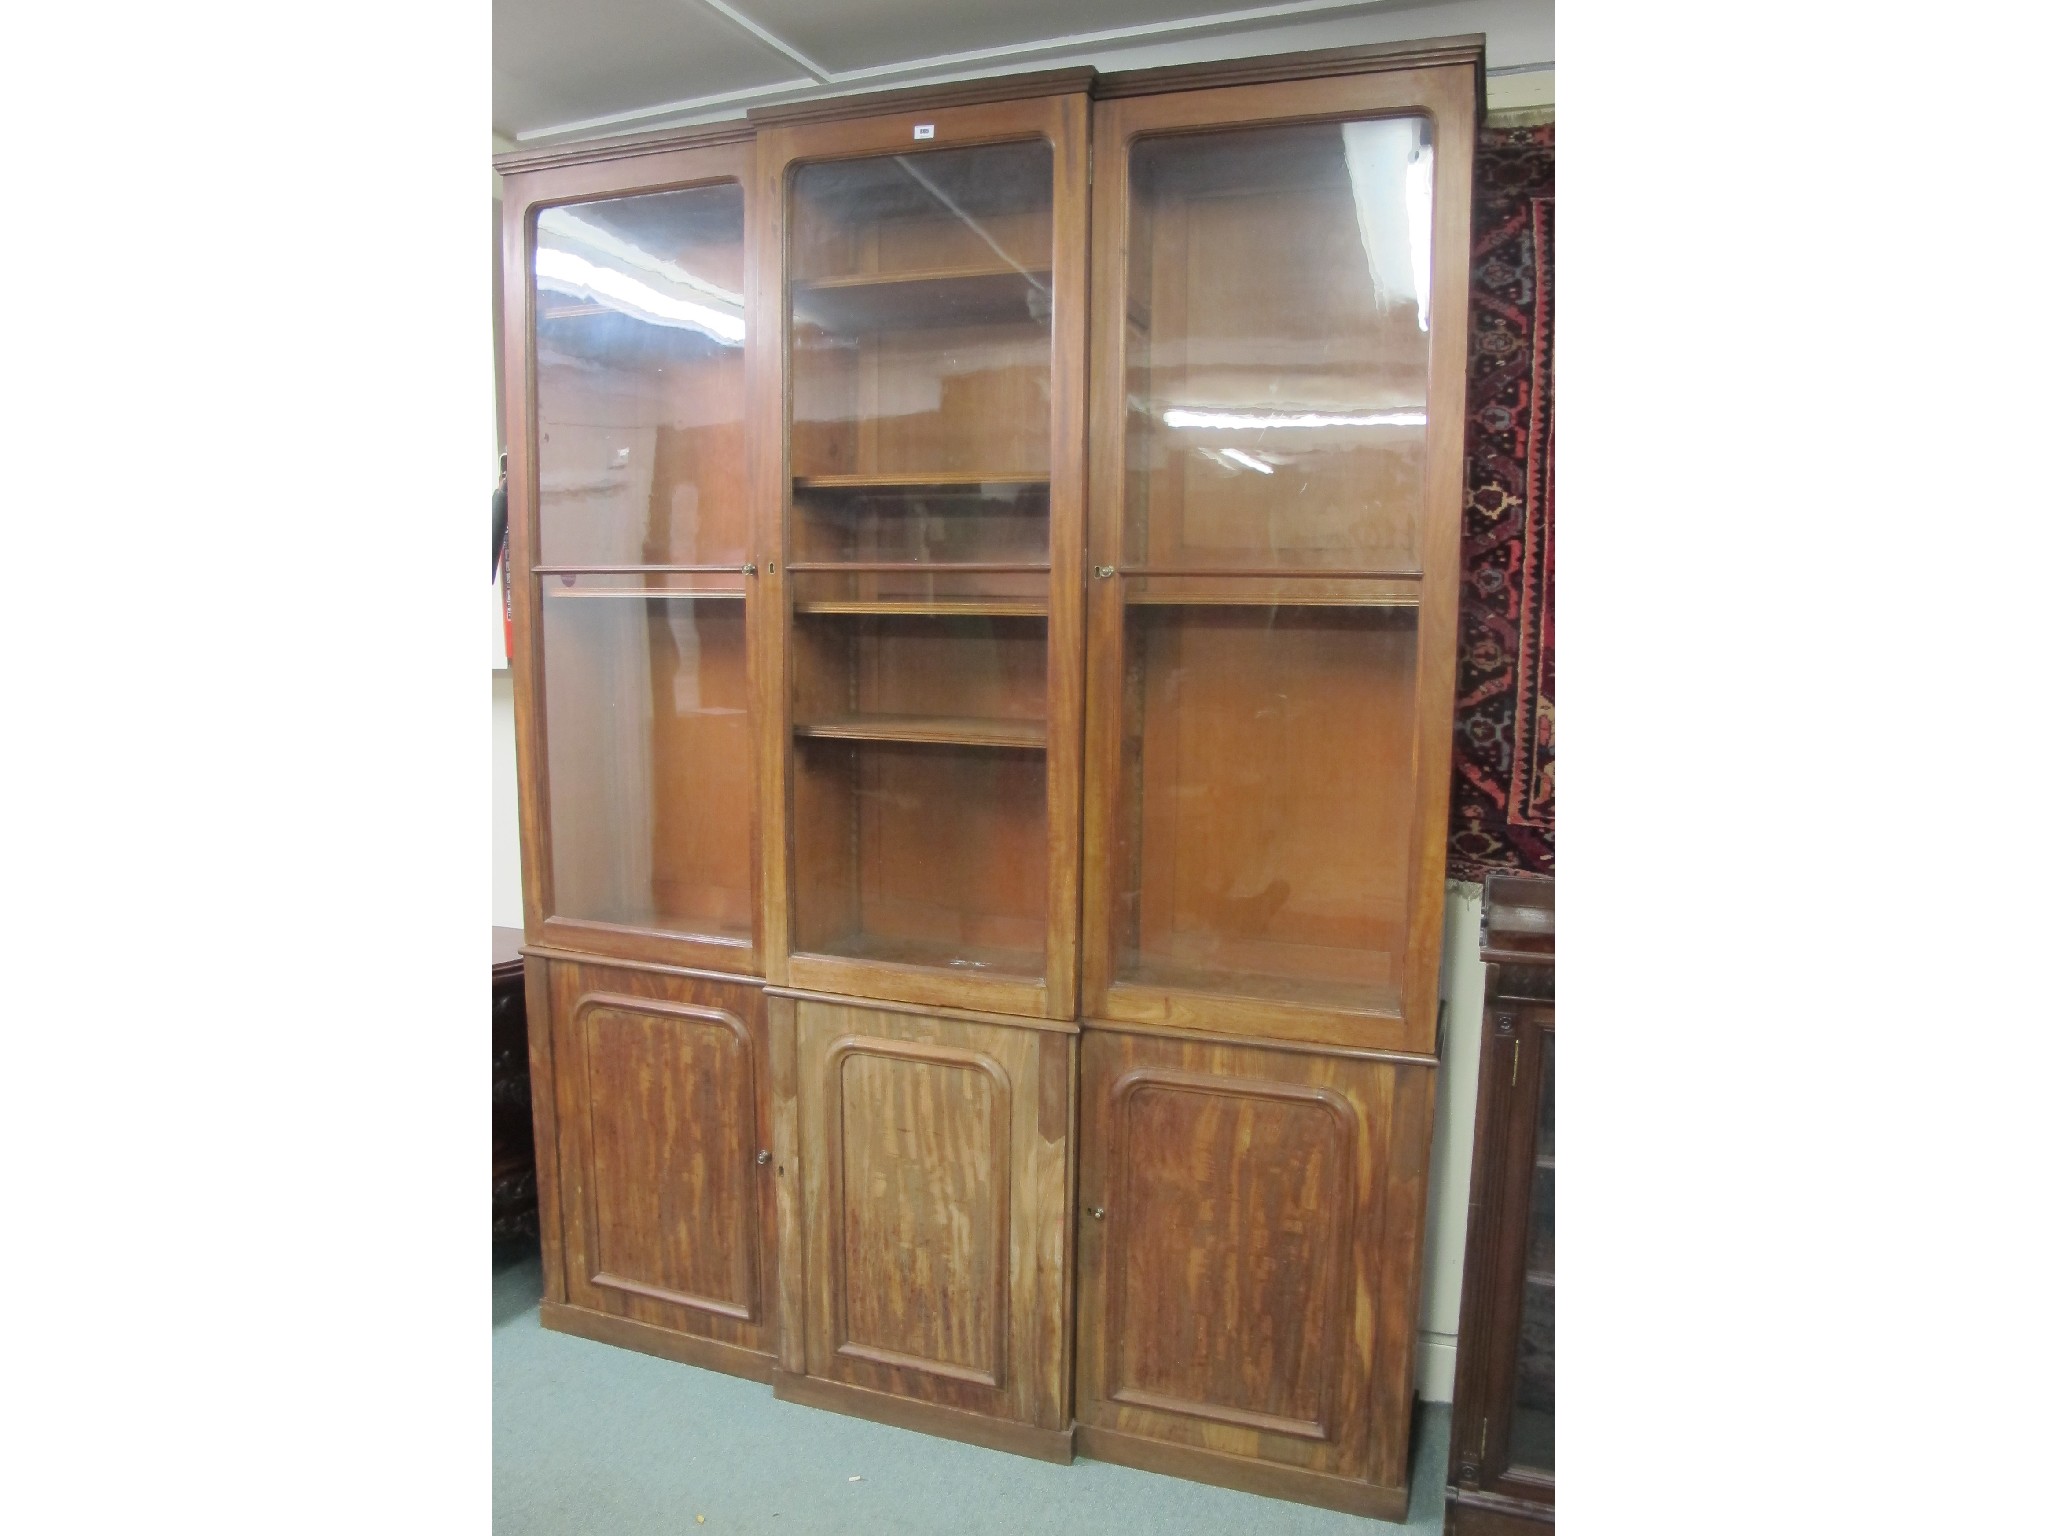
(567, 69)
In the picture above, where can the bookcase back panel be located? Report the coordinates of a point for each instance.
(1266, 793)
(1277, 358)
(922, 853)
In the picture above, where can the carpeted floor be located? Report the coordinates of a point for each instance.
(588, 1440)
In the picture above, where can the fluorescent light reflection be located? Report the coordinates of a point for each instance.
(1231, 421)
(563, 270)
(1392, 167)
(624, 277)
(1238, 457)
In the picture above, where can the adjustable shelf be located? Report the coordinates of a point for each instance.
(956, 730)
(665, 594)
(988, 607)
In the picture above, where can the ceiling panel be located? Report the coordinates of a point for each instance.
(555, 63)
(869, 33)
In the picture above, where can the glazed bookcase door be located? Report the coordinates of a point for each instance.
(925, 505)
(628, 367)
(1277, 439)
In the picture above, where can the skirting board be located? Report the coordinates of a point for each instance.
(1241, 1472)
(1436, 1366)
(647, 1340)
(926, 1418)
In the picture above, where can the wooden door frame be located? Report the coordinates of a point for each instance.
(723, 154)
(784, 146)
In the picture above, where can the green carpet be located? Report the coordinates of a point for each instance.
(588, 1440)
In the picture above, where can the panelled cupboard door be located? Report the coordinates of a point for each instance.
(935, 1209)
(667, 1210)
(927, 500)
(1277, 444)
(627, 372)
(1249, 1241)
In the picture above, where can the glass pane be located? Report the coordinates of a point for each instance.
(1531, 1433)
(921, 351)
(931, 853)
(649, 767)
(938, 524)
(920, 362)
(965, 678)
(640, 380)
(1266, 799)
(1278, 347)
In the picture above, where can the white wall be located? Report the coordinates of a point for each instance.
(506, 908)
(1450, 1159)
(1451, 1156)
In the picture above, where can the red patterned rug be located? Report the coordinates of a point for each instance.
(1504, 738)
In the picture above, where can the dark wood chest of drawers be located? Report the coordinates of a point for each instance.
(515, 1210)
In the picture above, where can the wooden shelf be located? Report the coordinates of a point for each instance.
(895, 301)
(987, 607)
(957, 730)
(943, 481)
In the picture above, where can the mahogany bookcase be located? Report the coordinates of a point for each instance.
(986, 589)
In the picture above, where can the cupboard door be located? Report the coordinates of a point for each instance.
(1249, 1240)
(1273, 541)
(929, 503)
(634, 538)
(661, 1092)
(935, 1180)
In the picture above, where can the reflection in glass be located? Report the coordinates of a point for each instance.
(649, 770)
(921, 318)
(1277, 346)
(638, 337)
